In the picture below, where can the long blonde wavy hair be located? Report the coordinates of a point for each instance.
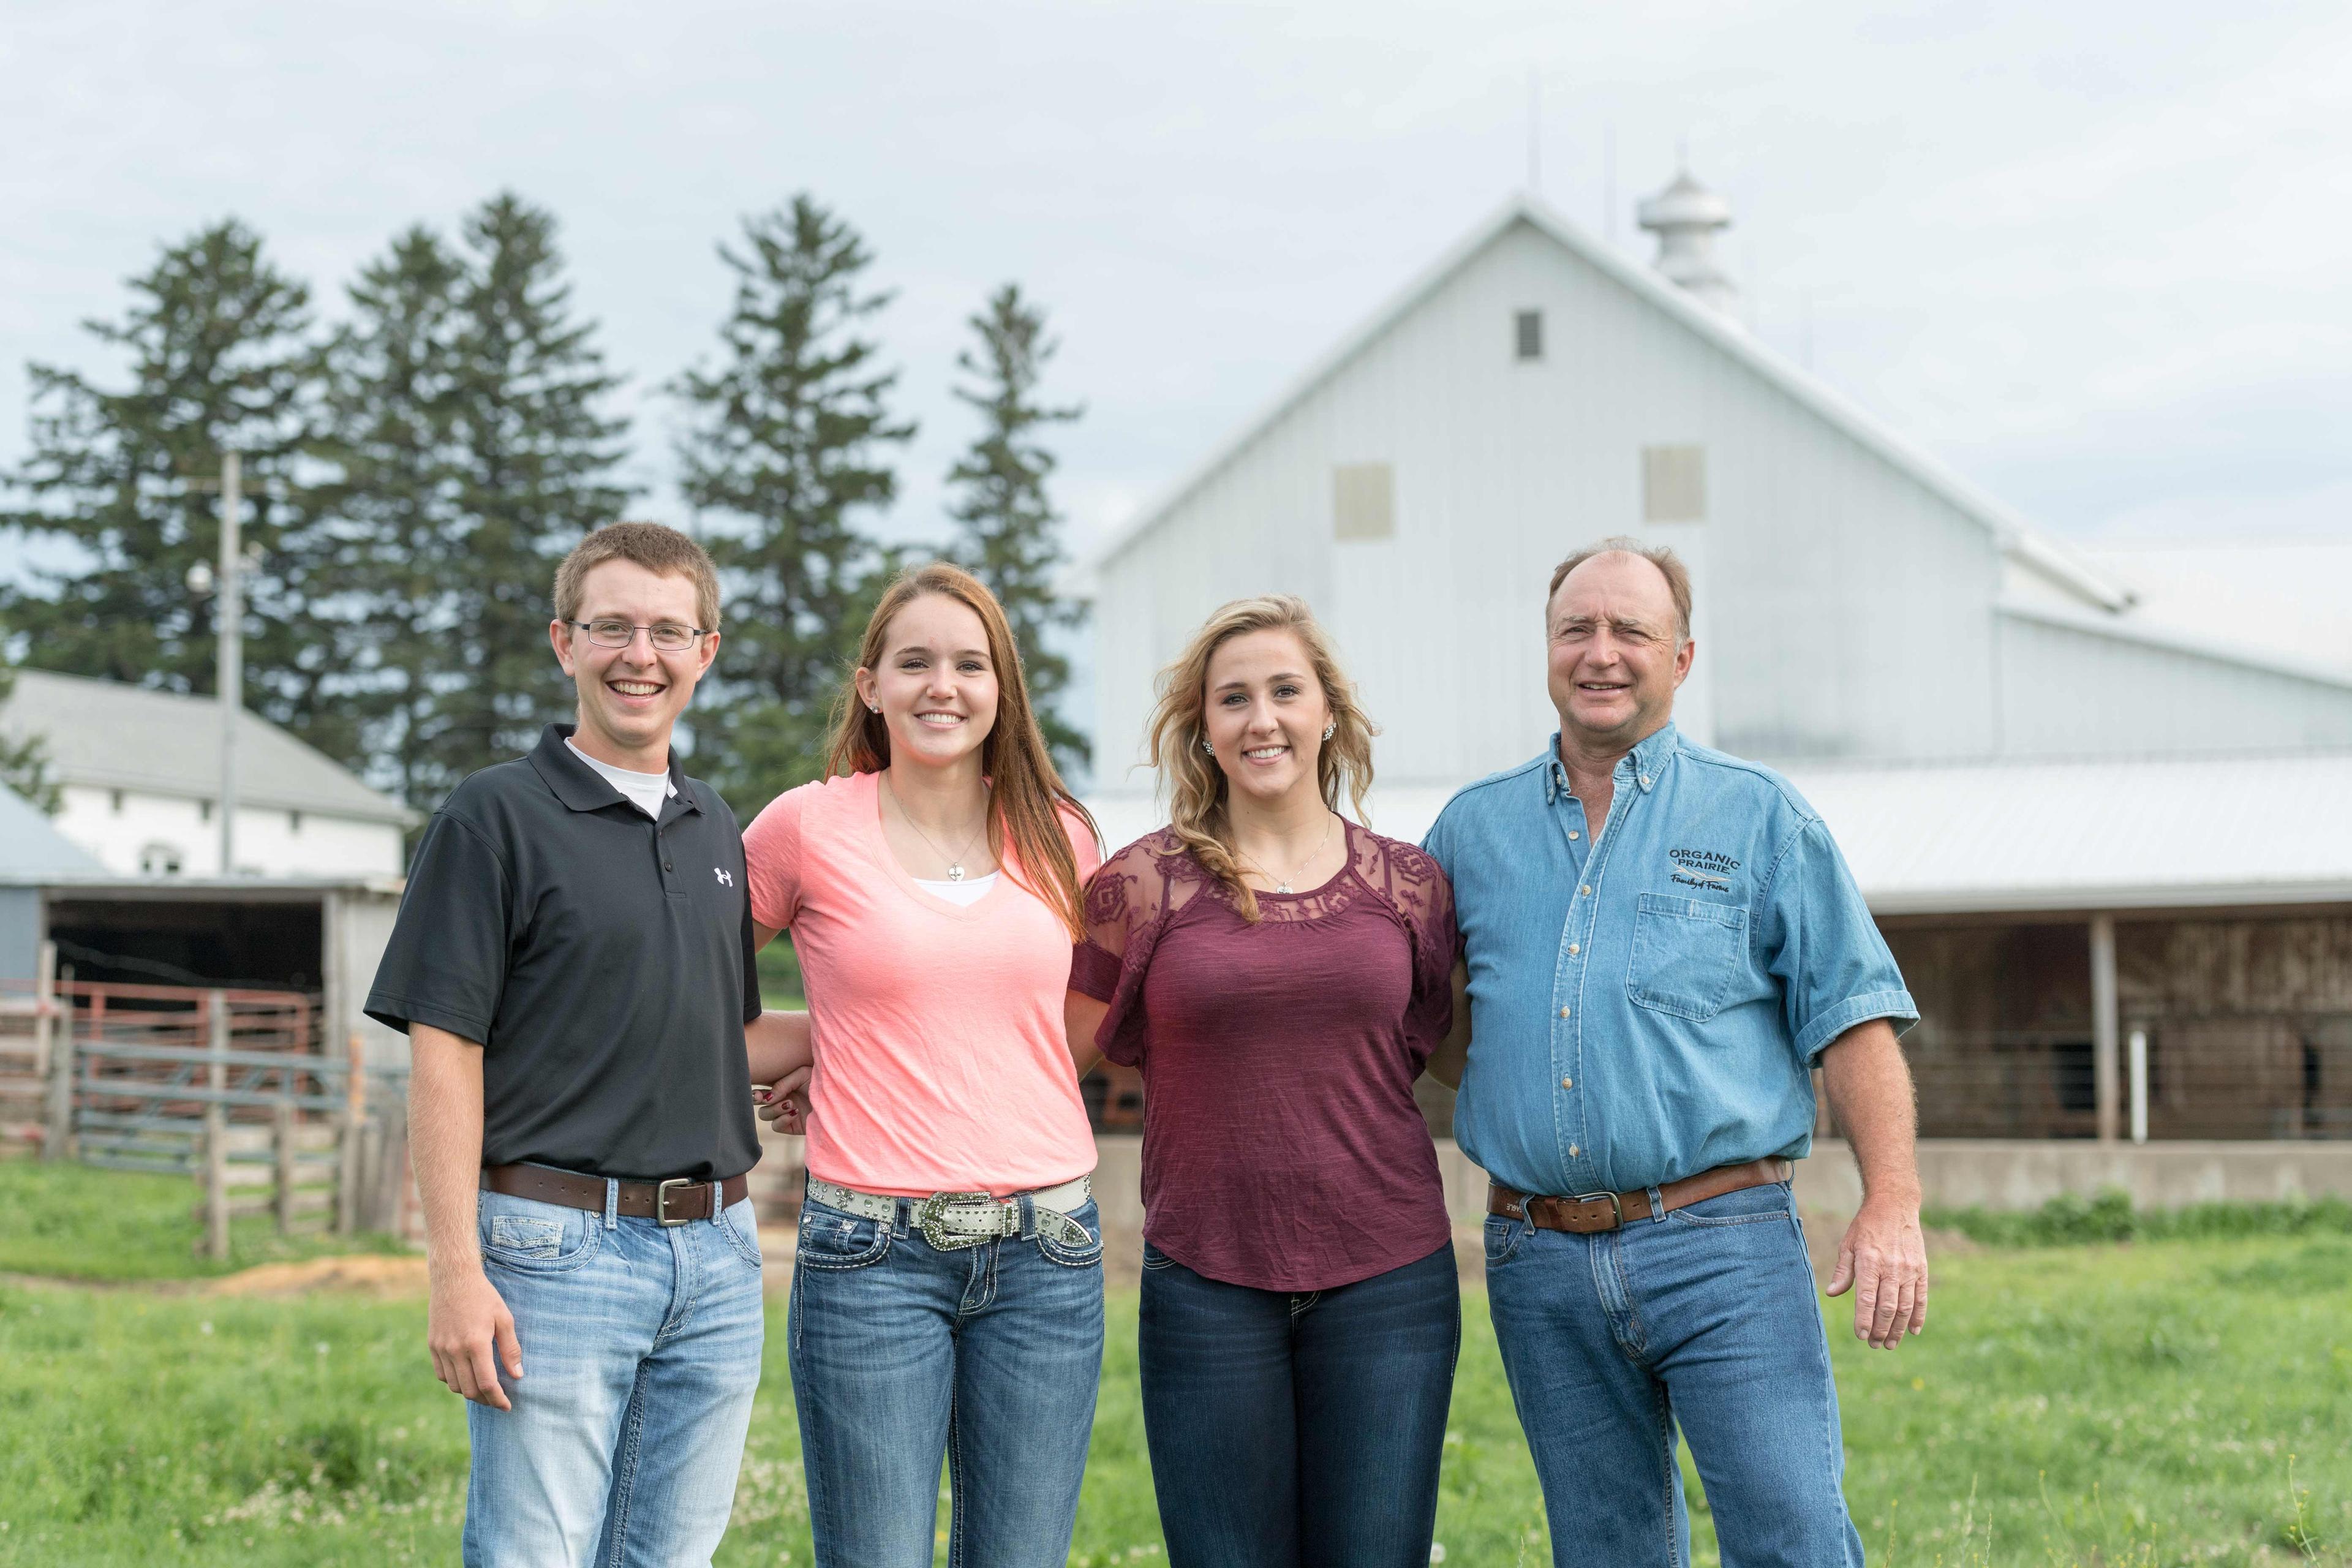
(1196, 785)
(1029, 797)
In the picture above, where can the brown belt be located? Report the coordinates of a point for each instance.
(1588, 1213)
(674, 1202)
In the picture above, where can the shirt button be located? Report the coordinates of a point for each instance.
(1645, 781)
(1568, 1083)
(1586, 890)
(1572, 833)
(1572, 949)
(667, 867)
(1563, 1012)
(1573, 1151)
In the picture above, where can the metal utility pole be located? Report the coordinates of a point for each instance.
(231, 628)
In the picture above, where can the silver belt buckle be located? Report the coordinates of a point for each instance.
(930, 1218)
(661, 1199)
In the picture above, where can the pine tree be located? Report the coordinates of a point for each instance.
(218, 340)
(527, 471)
(391, 554)
(788, 449)
(1007, 530)
(24, 759)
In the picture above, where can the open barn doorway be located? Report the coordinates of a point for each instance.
(271, 944)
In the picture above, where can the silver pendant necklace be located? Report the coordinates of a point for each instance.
(1281, 884)
(955, 861)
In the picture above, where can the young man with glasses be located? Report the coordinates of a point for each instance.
(573, 964)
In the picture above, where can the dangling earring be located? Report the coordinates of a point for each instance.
(1208, 745)
(1331, 729)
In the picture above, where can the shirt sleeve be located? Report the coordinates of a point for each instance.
(1822, 946)
(771, 859)
(1122, 908)
(1428, 910)
(446, 964)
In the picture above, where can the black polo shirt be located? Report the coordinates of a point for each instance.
(602, 959)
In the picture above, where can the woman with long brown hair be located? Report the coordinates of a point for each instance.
(947, 1296)
(1280, 974)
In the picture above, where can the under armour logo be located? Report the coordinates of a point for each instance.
(724, 879)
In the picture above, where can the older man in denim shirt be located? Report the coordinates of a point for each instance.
(1660, 943)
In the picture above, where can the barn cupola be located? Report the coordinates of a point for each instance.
(1684, 216)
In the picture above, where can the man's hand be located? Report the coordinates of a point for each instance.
(784, 1103)
(1882, 1259)
(465, 1324)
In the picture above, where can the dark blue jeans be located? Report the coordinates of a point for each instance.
(902, 1354)
(1297, 1431)
(1708, 1319)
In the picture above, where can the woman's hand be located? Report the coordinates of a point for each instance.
(784, 1103)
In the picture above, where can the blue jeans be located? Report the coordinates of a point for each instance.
(1289, 1430)
(640, 1354)
(1709, 1319)
(902, 1353)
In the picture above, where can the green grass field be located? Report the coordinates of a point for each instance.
(2160, 1403)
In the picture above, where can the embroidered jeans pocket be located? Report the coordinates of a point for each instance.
(831, 1239)
(1686, 954)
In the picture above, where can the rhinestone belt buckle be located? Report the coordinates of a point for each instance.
(931, 1219)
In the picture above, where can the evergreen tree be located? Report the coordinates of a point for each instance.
(787, 449)
(24, 761)
(127, 481)
(392, 552)
(472, 453)
(1007, 530)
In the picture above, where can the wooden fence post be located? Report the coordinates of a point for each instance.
(349, 1151)
(217, 1132)
(282, 1140)
(58, 1044)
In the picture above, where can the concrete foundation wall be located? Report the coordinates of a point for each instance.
(1994, 1174)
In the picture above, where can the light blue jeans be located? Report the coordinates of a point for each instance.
(1706, 1319)
(640, 1354)
(903, 1355)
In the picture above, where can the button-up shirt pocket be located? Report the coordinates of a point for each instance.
(1686, 955)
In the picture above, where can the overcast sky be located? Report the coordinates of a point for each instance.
(2097, 256)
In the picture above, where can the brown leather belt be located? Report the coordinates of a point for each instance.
(1589, 1213)
(674, 1202)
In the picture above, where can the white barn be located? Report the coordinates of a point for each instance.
(139, 779)
(1914, 655)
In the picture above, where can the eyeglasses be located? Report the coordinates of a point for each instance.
(666, 638)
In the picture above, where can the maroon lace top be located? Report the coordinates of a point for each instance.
(1282, 1148)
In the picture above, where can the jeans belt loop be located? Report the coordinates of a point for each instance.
(1657, 1205)
(612, 1203)
(1028, 1216)
(715, 1204)
(904, 1218)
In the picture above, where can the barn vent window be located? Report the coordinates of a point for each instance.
(1674, 484)
(159, 860)
(1527, 334)
(1363, 502)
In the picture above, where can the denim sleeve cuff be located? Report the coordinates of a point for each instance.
(1827, 1026)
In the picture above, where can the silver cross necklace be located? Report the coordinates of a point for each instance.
(955, 861)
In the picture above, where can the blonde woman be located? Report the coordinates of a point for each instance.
(947, 1296)
(1280, 976)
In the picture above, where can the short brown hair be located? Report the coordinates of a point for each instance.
(659, 549)
(1669, 564)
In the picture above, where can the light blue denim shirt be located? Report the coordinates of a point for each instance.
(1648, 1006)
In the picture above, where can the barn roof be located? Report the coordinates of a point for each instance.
(2018, 537)
(108, 735)
(32, 850)
(2098, 834)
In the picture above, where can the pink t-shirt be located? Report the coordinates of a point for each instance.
(941, 1062)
